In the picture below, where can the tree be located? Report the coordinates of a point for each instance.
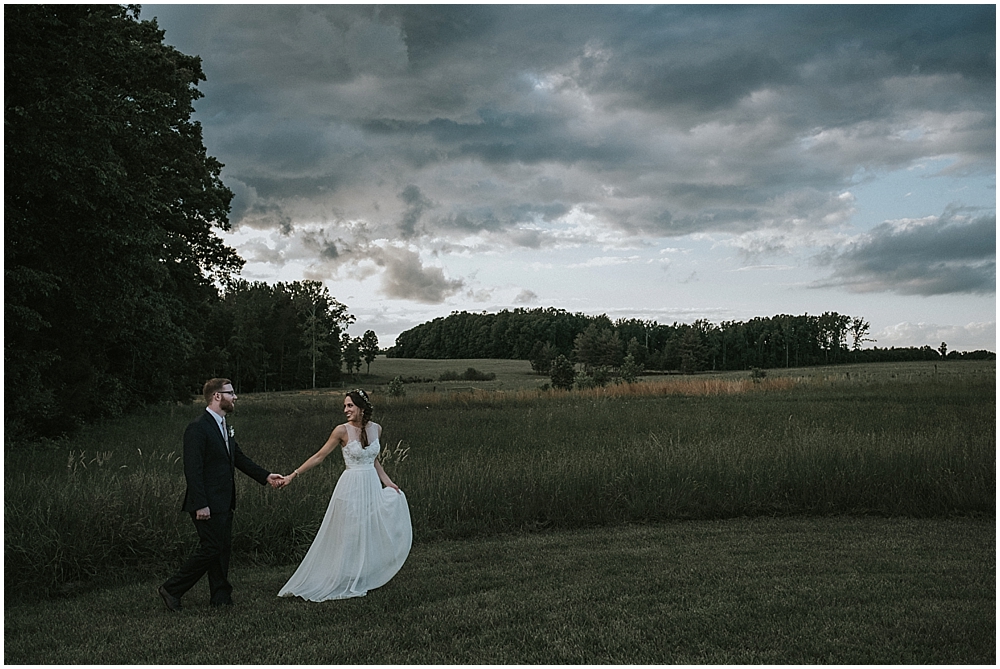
(109, 207)
(597, 347)
(369, 349)
(630, 370)
(859, 328)
(542, 356)
(248, 309)
(321, 321)
(352, 353)
(833, 331)
(943, 350)
(691, 350)
(562, 373)
(638, 351)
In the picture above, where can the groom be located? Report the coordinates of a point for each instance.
(211, 456)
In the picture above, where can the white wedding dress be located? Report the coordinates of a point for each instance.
(365, 536)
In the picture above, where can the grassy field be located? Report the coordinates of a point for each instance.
(841, 514)
(511, 374)
(831, 590)
(517, 374)
(894, 441)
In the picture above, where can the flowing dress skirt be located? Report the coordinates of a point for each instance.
(363, 540)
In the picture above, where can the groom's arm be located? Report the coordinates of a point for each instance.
(249, 467)
(194, 465)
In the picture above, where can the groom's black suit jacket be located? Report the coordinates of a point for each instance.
(210, 469)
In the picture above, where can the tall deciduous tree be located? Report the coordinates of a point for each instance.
(351, 347)
(109, 208)
(322, 320)
(369, 349)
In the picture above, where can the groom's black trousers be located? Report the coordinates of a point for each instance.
(215, 542)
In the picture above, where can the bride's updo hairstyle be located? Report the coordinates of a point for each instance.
(360, 399)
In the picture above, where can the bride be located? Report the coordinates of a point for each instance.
(366, 534)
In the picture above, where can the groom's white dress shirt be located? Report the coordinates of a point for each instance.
(220, 421)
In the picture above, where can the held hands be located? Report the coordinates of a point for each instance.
(280, 481)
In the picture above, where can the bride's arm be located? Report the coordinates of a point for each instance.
(337, 437)
(386, 481)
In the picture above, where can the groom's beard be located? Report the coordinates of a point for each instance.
(227, 405)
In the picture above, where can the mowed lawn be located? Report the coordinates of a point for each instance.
(833, 590)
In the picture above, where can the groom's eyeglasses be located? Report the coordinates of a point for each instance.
(228, 392)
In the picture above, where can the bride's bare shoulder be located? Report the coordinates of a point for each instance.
(339, 433)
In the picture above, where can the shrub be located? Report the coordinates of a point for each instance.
(602, 376)
(470, 374)
(630, 370)
(562, 373)
(396, 388)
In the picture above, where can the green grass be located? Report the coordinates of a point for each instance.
(887, 441)
(511, 374)
(830, 515)
(518, 375)
(829, 590)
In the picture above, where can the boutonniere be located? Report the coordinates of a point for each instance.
(232, 432)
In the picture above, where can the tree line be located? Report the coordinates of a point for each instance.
(542, 335)
(284, 336)
(117, 291)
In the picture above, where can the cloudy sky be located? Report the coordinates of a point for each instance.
(668, 162)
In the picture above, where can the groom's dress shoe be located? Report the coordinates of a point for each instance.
(172, 602)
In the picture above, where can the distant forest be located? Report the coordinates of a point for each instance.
(540, 335)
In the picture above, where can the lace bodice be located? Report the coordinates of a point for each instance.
(354, 454)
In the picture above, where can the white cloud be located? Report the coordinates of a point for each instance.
(526, 297)
(968, 337)
(606, 261)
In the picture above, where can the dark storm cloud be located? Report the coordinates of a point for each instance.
(948, 254)
(710, 57)
(416, 203)
(440, 121)
(474, 219)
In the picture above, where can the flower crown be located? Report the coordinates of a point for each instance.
(364, 396)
